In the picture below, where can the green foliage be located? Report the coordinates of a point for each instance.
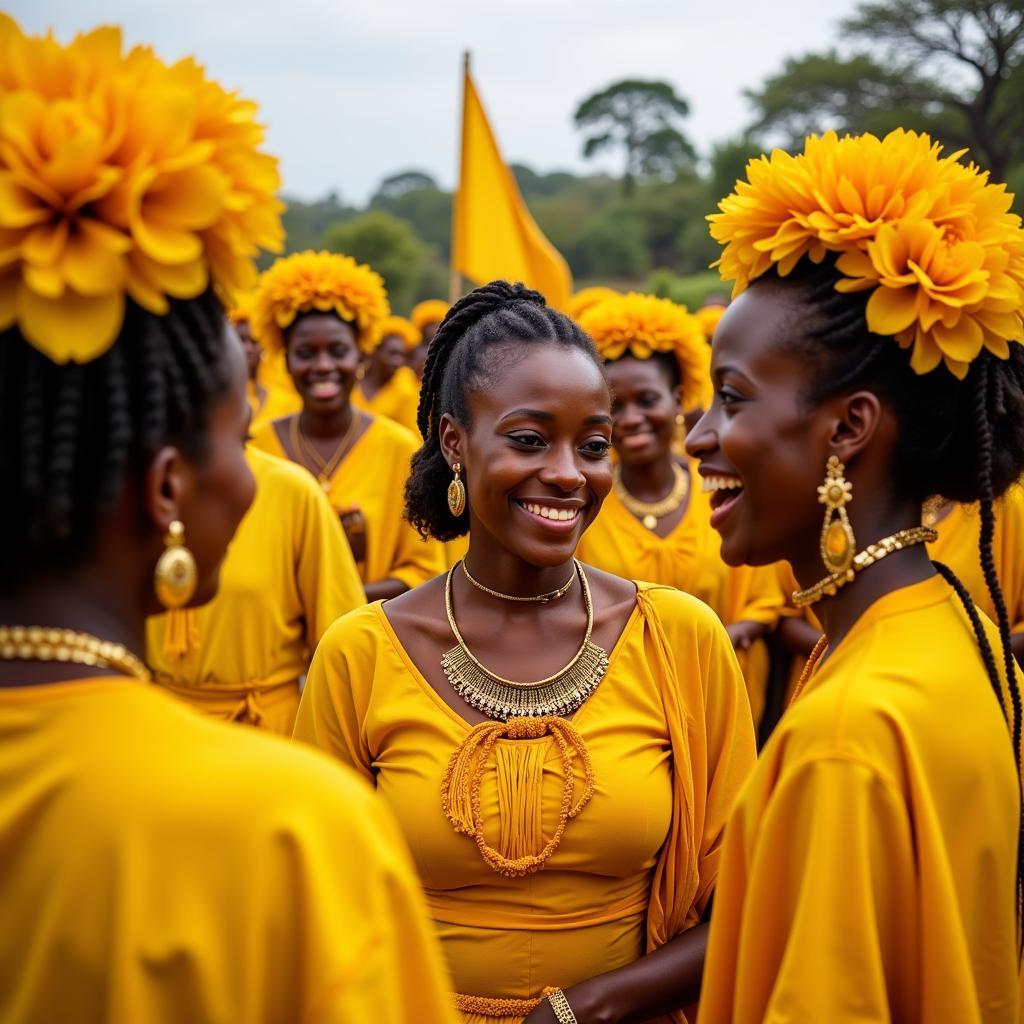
(305, 223)
(691, 291)
(643, 119)
(388, 244)
(613, 244)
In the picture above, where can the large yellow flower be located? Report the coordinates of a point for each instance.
(708, 317)
(640, 325)
(322, 281)
(398, 326)
(429, 311)
(120, 175)
(582, 300)
(931, 237)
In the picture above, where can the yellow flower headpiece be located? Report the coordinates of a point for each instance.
(398, 326)
(708, 317)
(243, 309)
(932, 239)
(121, 176)
(582, 300)
(327, 282)
(640, 325)
(430, 311)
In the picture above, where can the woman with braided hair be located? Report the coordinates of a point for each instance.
(158, 866)
(566, 830)
(326, 312)
(872, 359)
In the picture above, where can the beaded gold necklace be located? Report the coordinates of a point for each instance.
(48, 643)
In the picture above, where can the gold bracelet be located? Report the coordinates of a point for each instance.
(563, 1011)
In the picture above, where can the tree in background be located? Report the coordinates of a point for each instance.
(643, 119)
(950, 67)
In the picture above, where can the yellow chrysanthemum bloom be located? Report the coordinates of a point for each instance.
(582, 300)
(324, 281)
(398, 326)
(429, 311)
(242, 311)
(932, 238)
(640, 325)
(121, 175)
(708, 317)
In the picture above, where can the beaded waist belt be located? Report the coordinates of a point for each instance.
(485, 1006)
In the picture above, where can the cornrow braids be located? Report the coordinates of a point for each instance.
(496, 316)
(70, 435)
(962, 440)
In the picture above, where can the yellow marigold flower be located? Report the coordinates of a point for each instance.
(708, 317)
(242, 311)
(582, 300)
(323, 281)
(932, 238)
(398, 326)
(429, 311)
(640, 325)
(121, 175)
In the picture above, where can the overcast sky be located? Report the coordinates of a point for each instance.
(354, 91)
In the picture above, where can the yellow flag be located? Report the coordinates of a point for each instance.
(493, 234)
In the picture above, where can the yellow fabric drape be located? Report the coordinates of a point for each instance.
(869, 868)
(493, 233)
(287, 576)
(398, 400)
(274, 405)
(161, 867)
(669, 737)
(372, 476)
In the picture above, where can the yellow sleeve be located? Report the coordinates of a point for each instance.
(328, 579)
(823, 922)
(416, 560)
(337, 691)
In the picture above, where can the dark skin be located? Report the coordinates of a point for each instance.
(110, 592)
(323, 359)
(389, 357)
(539, 434)
(418, 356)
(645, 406)
(761, 430)
(253, 357)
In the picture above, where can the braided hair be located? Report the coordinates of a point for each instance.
(466, 354)
(961, 440)
(71, 435)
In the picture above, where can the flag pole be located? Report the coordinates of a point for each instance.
(454, 277)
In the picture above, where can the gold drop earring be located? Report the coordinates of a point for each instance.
(838, 544)
(175, 576)
(456, 492)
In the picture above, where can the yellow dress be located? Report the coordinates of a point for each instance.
(669, 735)
(287, 576)
(372, 476)
(689, 559)
(869, 868)
(398, 400)
(455, 550)
(161, 867)
(274, 406)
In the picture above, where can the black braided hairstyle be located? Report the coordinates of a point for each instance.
(961, 440)
(71, 435)
(467, 352)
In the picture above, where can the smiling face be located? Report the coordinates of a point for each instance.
(323, 358)
(644, 410)
(390, 355)
(762, 446)
(536, 452)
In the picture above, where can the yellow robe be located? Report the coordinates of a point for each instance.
(287, 576)
(689, 559)
(275, 405)
(372, 476)
(669, 734)
(869, 868)
(398, 400)
(160, 868)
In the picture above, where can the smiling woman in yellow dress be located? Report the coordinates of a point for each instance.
(567, 831)
(325, 310)
(872, 358)
(158, 866)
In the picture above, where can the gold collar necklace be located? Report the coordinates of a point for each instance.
(649, 512)
(551, 595)
(869, 556)
(44, 643)
(493, 695)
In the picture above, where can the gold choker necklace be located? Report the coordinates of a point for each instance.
(40, 643)
(649, 512)
(871, 554)
(551, 595)
(493, 695)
